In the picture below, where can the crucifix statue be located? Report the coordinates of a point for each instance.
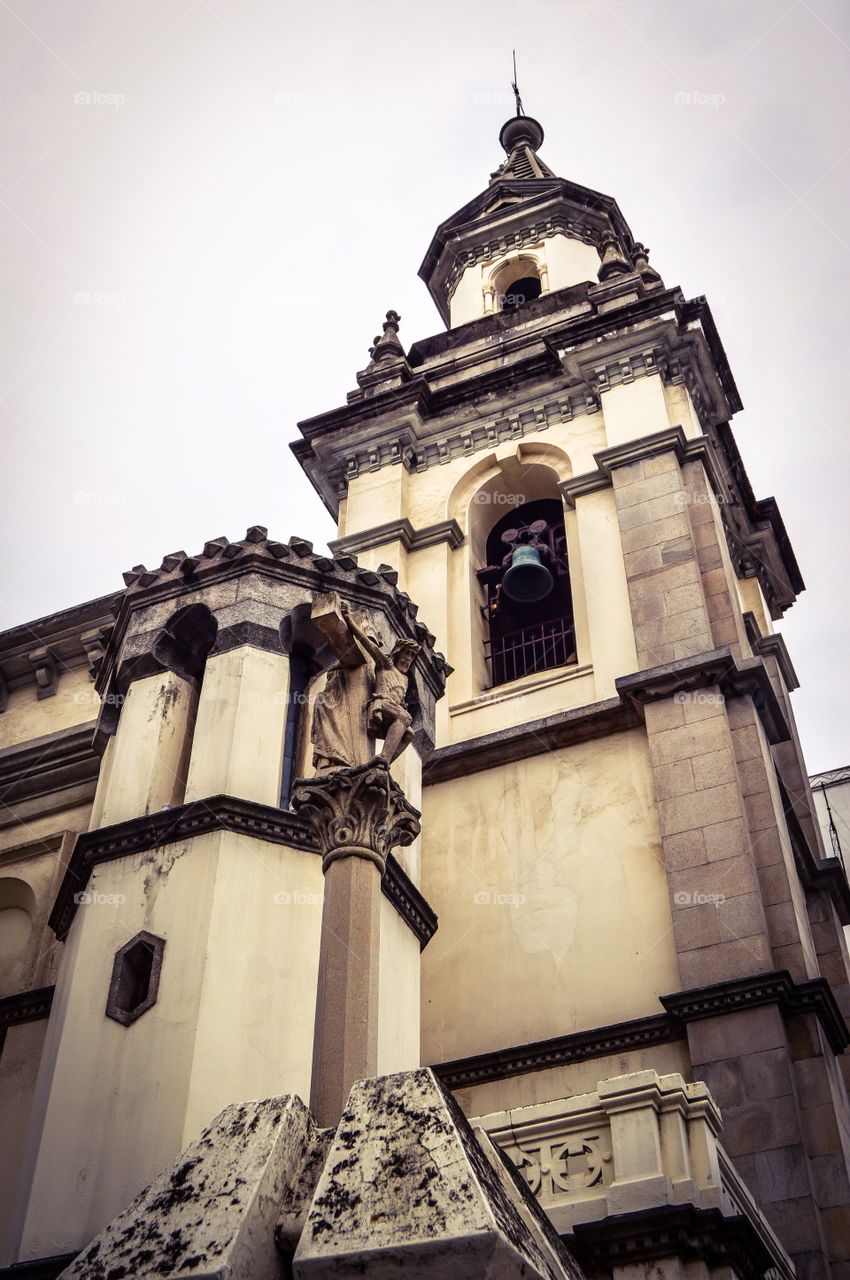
(358, 813)
(364, 694)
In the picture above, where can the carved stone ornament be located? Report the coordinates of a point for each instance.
(360, 813)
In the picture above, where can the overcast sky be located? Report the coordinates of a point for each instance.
(208, 205)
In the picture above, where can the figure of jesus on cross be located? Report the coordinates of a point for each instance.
(364, 694)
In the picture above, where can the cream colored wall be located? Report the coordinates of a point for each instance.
(25, 717)
(554, 913)
(751, 599)
(233, 1019)
(635, 409)
(398, 994)
(18, 1070)
(237, 744)
(680, 410)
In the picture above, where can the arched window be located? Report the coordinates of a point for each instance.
(529, 608)
(517, 282)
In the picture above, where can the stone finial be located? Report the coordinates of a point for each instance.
(613, 261)
(360, 812)
(640, 261)
(386, 345)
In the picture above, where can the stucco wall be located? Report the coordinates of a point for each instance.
(553, 903)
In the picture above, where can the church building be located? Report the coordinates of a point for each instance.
(454, 901)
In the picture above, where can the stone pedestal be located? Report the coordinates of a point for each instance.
(359, 815)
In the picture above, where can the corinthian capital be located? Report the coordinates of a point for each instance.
(357, 813)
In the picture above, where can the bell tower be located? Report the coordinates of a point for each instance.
(618, 833)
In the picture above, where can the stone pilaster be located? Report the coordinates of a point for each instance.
(359, 815)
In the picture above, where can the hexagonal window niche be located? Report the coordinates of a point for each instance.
(135, 978)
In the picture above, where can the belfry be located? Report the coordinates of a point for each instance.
(452, 902)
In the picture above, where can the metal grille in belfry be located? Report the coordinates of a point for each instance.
(537, 648)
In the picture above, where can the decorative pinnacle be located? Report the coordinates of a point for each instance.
(387, 343)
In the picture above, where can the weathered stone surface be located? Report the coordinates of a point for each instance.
(212, 1215)
(408, 1187)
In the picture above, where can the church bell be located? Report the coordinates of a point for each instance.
(527, 581)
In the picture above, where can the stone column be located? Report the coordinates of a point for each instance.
(238, 741)
(147, 768)
(359, 815)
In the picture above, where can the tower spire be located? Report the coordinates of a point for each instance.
(520, 110)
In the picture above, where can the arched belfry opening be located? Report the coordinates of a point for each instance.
(529, 609)
(517, 282)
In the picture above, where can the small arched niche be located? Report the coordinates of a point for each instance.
(185, 641)
(17, 909)
(517, 528)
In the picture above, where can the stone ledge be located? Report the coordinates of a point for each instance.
(39, 766)
(564, 729)
(794, 998)
(577, 1046)
(399, 531)
(218, 813)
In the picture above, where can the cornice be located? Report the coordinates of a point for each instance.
(682, 1007)
(218, 813)
(399, 531)
(735, 677)
(36, 653)
(25, 1006)
(576, 1046)
(564, 729)
(794, 998)
(43, 765)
